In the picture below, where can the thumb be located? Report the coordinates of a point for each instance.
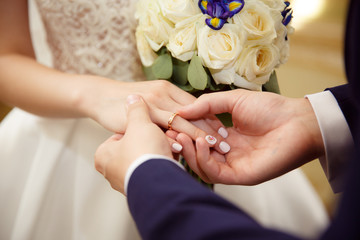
(137, 111)
(213, 103)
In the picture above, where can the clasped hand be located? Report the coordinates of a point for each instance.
(271, 136)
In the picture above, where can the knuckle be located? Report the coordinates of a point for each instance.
(204, 96)
(163, 84)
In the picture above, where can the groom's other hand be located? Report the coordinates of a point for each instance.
(142, 136)
(271, 135)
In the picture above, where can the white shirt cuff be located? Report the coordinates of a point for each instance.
(336, 136)
(140, 160)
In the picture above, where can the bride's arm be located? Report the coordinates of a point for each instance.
(24, 82)
(48, 92)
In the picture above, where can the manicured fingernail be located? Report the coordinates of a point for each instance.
(224, 147)
(222, 131)
(177, 147)
(210, 139)
(131, 99)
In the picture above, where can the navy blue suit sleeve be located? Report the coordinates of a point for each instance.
(166, 203)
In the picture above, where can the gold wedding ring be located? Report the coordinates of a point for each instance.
(171, 119)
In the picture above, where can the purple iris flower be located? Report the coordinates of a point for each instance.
(219, 11)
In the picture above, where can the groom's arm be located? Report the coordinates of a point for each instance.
(166, 203)
(336, 115)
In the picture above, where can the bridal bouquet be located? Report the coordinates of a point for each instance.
(212, 45)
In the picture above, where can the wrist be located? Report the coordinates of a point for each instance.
(87, 93)
(309, 122)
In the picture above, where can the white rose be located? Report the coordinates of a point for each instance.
(282, 39)
(241, 82)
(219, 49)
(257, 20)
(178, 10)
(257, 62)
(146, 53)
(223, 76)
(229, 76)
(277, 5)
(282, 44)
(153, 24)
(182, 40)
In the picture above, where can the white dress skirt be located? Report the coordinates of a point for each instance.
(49, 188)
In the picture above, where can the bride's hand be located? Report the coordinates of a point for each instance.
(104, 101)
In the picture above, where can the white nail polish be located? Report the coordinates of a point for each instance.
(222, 131)
(224, 147)
(210, 139)
(177, 147)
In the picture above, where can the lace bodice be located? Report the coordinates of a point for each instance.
(92, 37)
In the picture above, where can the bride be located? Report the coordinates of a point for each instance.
(49, 188)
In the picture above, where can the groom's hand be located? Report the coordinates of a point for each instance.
(272, 135)
(142, 136)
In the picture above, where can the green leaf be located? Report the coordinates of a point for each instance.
(180, 70)
(187, 88)
(272, 85)
(196, 74)
(162, 67)
(148, 73)
(162, 51)
(225, 118)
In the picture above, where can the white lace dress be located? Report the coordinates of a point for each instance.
(49, 188)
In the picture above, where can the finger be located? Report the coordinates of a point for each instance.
(221, 131)
(188, 151)
(213, 165)
(189, 154)
(138, 112)
(211, 126)
(182, 125)
(200, 128)
(171, 99)
(171, 134)
(181, 97)
(102, 152)
(213, 103)
(175, 146)
(204, 160)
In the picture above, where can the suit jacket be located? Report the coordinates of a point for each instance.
(167, 204)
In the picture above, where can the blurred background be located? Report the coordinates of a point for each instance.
(315, 63)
